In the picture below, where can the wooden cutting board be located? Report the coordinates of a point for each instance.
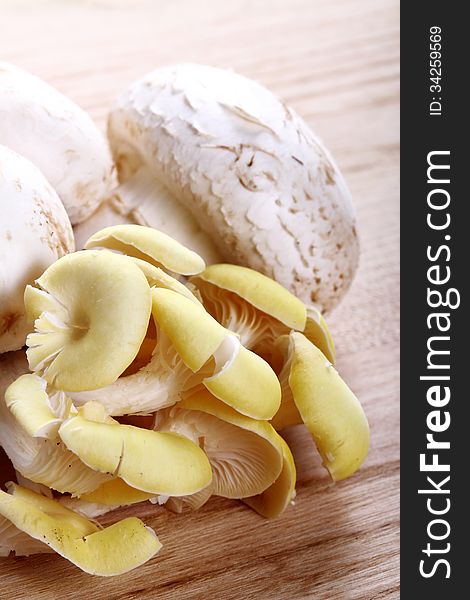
(337, 63)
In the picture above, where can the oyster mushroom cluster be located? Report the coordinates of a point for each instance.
(148, 375)
(142, 387)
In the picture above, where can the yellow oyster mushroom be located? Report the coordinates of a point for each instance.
(159, 463)
(28, 401)
(244, 380)
(42, 460)
(116, 493)
(274, 501)
(197, 336)
(245, 454)
(329, 409)
(114, 550)
(107, 302)
(189, 348)
(150, 245)
(194, 333)
(316, 330)
(258, 308)
(186, 337)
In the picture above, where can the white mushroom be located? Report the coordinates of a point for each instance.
(34, 231)
(40, 123)
(217, 161)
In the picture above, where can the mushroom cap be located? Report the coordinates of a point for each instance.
(34, 232)
(262, 292)
(150, 461)
(99, 311)
(259, 309)
(58, 136)
(329, 409)
(41, 460)
(245, 454)
(110, 551)
(248, 168)
(150, 245)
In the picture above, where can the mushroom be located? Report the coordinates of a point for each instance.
(111, 551)
(34, 232)
(245, 454)
(189, 346)
(258, 309)
(56, 135)
(217, 161)
(148, 244)
(159, 463)
(43, 460)
(90, 313)
(275, 499)
(39, 413)
(315, 394)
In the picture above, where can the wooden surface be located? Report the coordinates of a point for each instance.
(337, 63)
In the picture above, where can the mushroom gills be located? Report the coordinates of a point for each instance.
(244, 453)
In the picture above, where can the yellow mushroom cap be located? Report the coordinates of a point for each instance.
(108, 303)
(245, 454)
(111, 551)
(159, 278)
(258, 308)
(194, 333)
(331, 412)
(274, 501)
(244, 381)
(28, 401)
(41, 460)
(259, 290)
(159, 463)
(150, 245)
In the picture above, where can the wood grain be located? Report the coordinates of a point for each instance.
(337, 64)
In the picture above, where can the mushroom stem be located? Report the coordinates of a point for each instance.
(142, 199)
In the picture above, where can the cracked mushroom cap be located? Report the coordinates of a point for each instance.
(249, 169)
(110, 551)
(59, 137)
(34, 232)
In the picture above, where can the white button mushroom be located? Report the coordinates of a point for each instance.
(34, 231)
(217, 161)
(40, 123)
